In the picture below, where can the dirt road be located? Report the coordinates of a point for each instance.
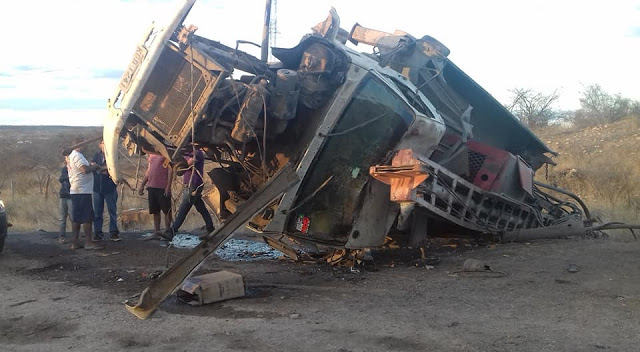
(52, 299)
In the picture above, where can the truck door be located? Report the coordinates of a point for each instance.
(366, 134)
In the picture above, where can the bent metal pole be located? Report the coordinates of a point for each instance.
(166, 284)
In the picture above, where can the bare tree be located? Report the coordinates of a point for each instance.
(598, 106)
(534, 109)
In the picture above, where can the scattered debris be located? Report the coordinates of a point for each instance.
(601, 347)
(155, 274)
(243, 250)
(572, 268)
(475, 265)
(23, 302)
(107, 254)
(183, 240)
(429, 260)
(232, 250)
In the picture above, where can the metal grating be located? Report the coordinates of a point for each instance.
(451, 197)
(165, 101)
(176, 107)
(475, 163)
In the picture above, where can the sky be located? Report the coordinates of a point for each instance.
(63, 59)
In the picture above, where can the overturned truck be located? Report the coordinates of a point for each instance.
(400, 140)
(330, 148)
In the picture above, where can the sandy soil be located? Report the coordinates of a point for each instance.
(53, 299)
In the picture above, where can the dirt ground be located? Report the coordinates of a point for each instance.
(53, 299)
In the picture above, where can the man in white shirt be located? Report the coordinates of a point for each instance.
(81, 179)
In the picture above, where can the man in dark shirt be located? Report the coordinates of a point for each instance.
(65, 201)
(192, 194)
(104, 191)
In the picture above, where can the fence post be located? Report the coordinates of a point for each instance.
(46, 187)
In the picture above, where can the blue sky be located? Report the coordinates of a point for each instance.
(61, 60)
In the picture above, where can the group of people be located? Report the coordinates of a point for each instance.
(86, 187)
(158, 180)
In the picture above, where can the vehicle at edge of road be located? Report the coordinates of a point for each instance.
(451, 159)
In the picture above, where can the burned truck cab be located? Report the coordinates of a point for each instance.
(331, 111)
(368, 118)
(399, 139)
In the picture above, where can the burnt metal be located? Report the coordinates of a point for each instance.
(452, 158)
(160, 289)
(565, 192)
(282, 247)
(404, 175)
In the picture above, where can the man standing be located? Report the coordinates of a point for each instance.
(158, 181)
(81, 181)
(65, 200)
(192, 194)
(104, 191)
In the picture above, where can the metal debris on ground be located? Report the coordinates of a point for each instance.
(233, 250)
(474, 266)
(183, 240)
(242, 250)
(107, 254)
(572, 268)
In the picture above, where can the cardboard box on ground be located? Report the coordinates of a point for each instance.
(212, 287)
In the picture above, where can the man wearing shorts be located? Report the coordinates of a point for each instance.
(158, 182)
(81, 180)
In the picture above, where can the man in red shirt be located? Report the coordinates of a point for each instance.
(158, 181)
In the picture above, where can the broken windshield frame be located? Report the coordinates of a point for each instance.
(366, 134)
(413, 98)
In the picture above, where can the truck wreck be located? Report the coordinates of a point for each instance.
(400, 140)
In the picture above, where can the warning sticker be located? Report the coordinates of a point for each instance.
(302, 223)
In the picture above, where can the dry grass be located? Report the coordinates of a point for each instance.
(600, 164)
(29, 210)
(33, 212)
